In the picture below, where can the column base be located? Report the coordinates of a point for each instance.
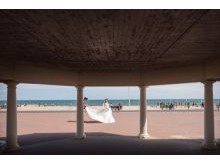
(218, 142)
(2, 146)
(144, 136)
(209, 146)
(12, 148)
(78, 137)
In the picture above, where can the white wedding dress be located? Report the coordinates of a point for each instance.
(103, 115)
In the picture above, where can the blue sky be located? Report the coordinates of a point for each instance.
(52, 92)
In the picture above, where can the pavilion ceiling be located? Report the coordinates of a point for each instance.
(109, 39)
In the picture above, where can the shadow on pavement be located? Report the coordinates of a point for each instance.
(72, 121)
(99, 143)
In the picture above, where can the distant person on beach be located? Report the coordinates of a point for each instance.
(119, 107)
(162, 106)
(188, 105)
(171, 106)
(218, 106)
(202, 105)
(176, 105)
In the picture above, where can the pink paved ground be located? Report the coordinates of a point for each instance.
(161, 124)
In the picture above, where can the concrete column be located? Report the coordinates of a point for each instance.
(11, 139)
(80, 117)
(209, 130)
(143, 117)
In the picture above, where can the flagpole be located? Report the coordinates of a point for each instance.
(129, 101)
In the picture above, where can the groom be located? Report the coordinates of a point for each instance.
(85, 104)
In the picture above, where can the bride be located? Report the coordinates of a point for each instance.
(103, 115)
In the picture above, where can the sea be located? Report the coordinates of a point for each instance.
(132, 102)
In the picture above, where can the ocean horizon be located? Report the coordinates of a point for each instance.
(98, 102)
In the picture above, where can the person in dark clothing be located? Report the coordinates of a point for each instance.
(85, 104)
(188, 105)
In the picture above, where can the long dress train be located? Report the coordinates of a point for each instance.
(103, 115)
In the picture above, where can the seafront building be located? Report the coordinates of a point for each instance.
(109, 48)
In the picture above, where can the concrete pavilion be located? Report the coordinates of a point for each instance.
(109, 48)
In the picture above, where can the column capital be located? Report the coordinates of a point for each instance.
(80, 86)
(143, 86)
(10, 83)
(208, 82)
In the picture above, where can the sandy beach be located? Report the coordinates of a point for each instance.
(73, 108)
